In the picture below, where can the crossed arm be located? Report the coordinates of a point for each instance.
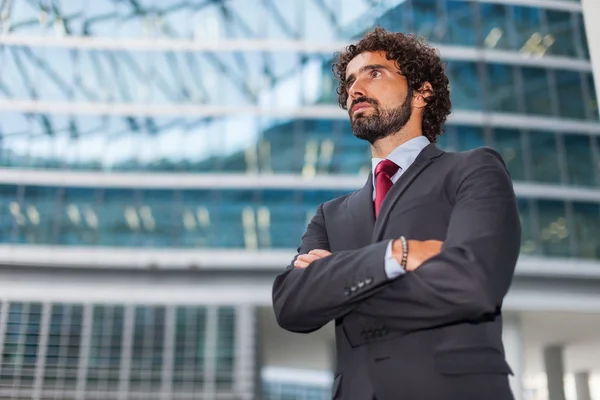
(466, 280)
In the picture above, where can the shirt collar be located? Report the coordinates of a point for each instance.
(403, 155)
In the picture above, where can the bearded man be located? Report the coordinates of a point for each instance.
(413, 268)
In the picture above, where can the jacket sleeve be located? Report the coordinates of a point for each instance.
(306, 299)
(469, 278)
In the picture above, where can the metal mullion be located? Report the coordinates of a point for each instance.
(18, 366)
(4, 308)
(587, 96)
(84, 351)
(570, 217)
(168, 352)
(42, 348)
(244, 352)
(146, 372)
(125, 371)
(106, 343)
(63, 345)
(212, 320)
(190, 368)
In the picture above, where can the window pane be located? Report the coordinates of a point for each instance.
(426, 19)
(393, 20)
(465, 90)
(105, 348)
(529, 243)
(469, 137)
(580, 162)
(536, 89)
(494, 26)
(501, 94)
(544, 157)
(560, 39)
(582, 47)
(592, 101)
(10, 211)
(190, 349)
(554, 231)
(570, 94)
(587, 229)
(460, 27)
(508, 143)
(528, 27)
(38, 216)
(79, 220)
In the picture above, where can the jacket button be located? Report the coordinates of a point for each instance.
(347, 292)
(353, 288)
(360, 284)
(369, 280)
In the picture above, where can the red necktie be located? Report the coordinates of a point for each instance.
(383, 181)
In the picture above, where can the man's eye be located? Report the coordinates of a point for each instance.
(375, 73)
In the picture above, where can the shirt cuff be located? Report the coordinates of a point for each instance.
(392, 266)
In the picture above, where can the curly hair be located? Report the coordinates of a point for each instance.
(417, 61)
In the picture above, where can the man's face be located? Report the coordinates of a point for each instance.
(379, 100)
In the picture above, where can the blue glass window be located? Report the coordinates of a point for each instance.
(580, 161)
(544, 157)
(586, 221)
(501, 95)
(570, 94)
(528, 28)
(426, 19)
(554, 228)
(460, 23)
(536, 88)
(529, 242)
(469, 137)
(561, 38)
(495, 29)
(465, 87)
(509, 143)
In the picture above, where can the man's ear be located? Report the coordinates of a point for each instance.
(421, 95)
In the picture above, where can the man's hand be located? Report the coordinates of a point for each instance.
(304, 260)
(418, 252)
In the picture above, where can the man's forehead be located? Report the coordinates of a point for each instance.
(367, 58)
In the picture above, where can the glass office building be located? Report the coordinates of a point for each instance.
(131, 129)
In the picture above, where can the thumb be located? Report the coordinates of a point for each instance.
(319, 253)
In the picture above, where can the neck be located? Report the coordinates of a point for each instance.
(384, 146)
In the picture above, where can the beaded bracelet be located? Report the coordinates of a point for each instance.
(404, 252)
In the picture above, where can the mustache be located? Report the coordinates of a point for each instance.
(372, 102)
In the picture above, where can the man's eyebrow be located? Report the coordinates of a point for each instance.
(369, 67)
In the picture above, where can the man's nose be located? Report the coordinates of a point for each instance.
(357, 90)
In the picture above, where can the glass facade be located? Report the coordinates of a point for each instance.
(245, 219)
(244, 87)
(73, 350)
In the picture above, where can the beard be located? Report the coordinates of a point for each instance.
(382, 123)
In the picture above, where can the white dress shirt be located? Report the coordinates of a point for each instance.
(403, 156)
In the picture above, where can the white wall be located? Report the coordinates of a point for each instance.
(591, 14)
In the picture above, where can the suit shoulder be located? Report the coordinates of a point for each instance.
(477, 157)
(337, 201)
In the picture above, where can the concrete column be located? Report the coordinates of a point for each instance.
(555, 372)
(582, 385)
(591, 10)
(512, 336)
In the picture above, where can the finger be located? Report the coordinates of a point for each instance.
(320, 253)
(300, 264)
(308, 258)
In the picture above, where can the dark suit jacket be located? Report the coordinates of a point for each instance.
(434, 333)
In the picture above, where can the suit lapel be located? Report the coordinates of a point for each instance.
(423, 160)
(363, 214)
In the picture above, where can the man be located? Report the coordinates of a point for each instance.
(414, 266)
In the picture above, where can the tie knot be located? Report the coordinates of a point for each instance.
(387, 166)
